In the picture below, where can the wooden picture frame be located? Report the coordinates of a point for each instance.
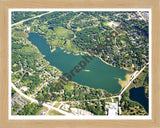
(154, 5)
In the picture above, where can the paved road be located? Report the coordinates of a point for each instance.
(90, 99)
(36, 101)
(30, 18)
(129, 83)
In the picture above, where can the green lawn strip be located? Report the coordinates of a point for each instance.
(57, 105)
(54, 112)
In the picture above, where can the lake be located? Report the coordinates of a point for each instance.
(137, 94)
(96, 73)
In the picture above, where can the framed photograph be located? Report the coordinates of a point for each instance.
(85, 64)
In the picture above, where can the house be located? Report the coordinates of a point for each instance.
(106, 59)
(24, 88)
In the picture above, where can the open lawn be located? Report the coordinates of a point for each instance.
(54, 112)
(57, 105)
(62, 33)
(29, 50)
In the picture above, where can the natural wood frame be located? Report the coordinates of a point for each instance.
(4, 9)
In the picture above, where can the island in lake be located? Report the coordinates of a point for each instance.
(86, 70)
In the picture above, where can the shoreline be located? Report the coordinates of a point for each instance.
(121, 82)
(104, 61)
(108, 63)
(82, 53)
(53, 49)
(124, 82)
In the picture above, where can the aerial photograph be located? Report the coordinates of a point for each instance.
(79, 63)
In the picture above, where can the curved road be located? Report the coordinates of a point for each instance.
(36, 101)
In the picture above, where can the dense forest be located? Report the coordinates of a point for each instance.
(124, 46)
(18, 15)
(30, 109)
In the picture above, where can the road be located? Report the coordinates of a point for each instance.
(36, 101)
(91, 99)
(129, 83)
(66, 113)
(30, 18)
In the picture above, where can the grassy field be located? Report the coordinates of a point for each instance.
(57, 104)
(69, 86)
(29, 50)
(54, 112)
(19, 34)
(63, 39)
(62, 33)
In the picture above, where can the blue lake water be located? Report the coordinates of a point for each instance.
(137, 94)
(96, 73)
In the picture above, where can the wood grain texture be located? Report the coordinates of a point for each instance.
(6, 4)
